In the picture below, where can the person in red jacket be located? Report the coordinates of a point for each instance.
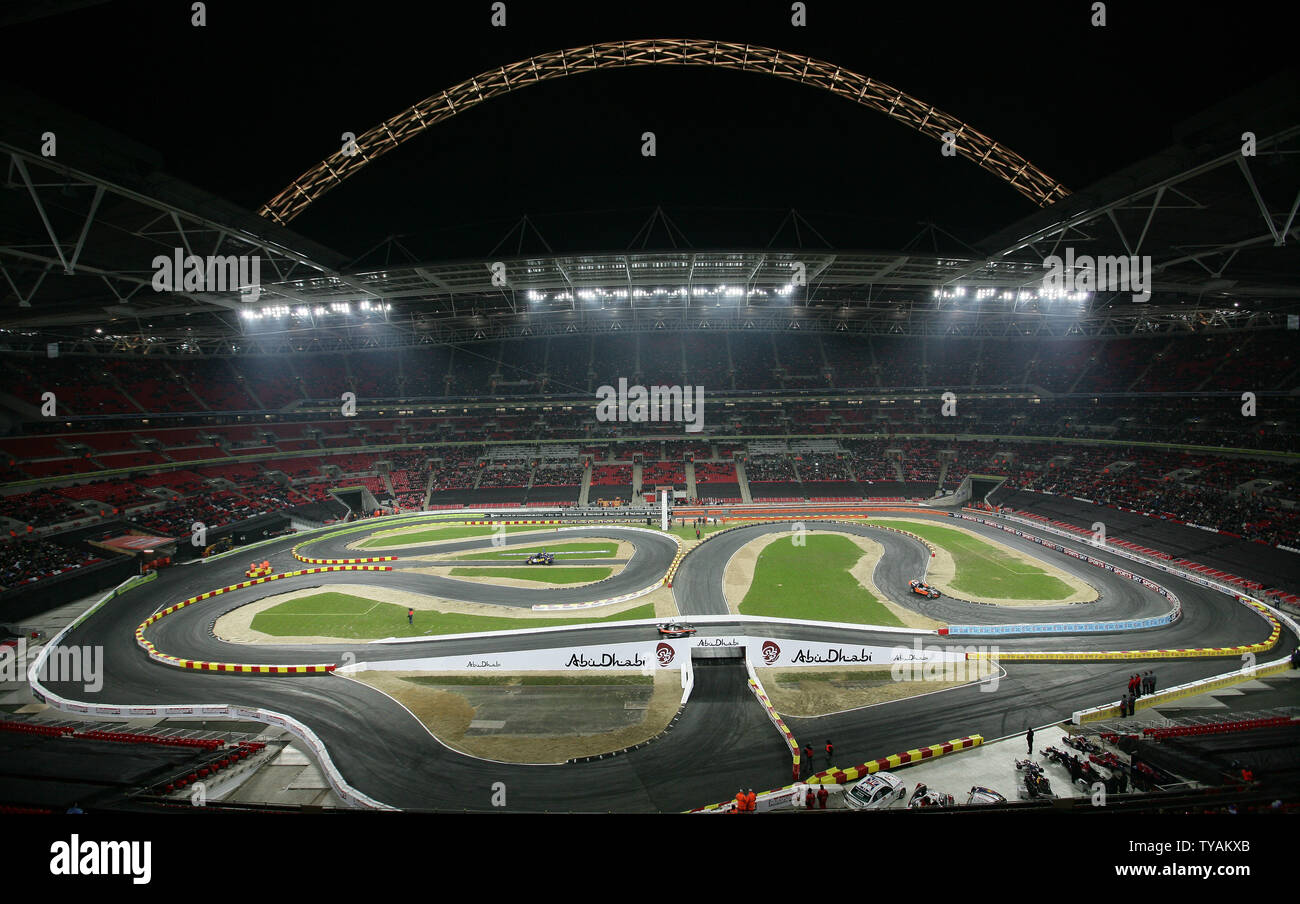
(808, 755)
(822, 797)
(741, 802)
(808, 801)
(751, 801)
(830, 752)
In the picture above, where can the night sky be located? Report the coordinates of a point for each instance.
(243, 106)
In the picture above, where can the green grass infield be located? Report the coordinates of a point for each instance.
(344, 615)
(813, 582)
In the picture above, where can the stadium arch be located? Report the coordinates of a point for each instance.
(988, 154)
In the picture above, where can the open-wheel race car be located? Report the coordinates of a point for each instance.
(921, 587)
(924, 797)
(541, 558)
(981, 796)
(675, 629)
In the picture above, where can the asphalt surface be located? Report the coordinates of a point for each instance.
(723, 740)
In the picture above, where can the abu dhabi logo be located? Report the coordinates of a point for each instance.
(664, 653)
(771, 652)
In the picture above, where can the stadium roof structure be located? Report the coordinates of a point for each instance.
(83, 229)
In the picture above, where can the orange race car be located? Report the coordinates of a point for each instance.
(924, 589)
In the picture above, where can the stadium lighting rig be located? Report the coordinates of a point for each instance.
(1017, 295)
(307, 312)
(600, 294)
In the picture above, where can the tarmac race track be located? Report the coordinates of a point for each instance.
(723, 740)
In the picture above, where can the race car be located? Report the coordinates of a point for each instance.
(923, 797)
(541, 558)
(980, 796)
(921, 587)
(876, 792)
(675, 629)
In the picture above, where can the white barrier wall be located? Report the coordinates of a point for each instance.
(649, 655)
(219, 710)
(637, 657)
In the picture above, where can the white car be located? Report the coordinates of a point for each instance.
(876, 792)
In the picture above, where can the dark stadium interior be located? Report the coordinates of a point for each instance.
(384, 366)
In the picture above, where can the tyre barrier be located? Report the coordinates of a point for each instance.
(310, 561)
(516, 522)
(677, 561)
(778, 796)
(243, 668)
(910, 757)
(757, 688)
